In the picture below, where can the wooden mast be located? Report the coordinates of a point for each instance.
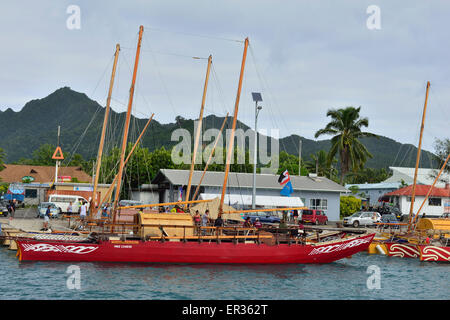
(128, 158)
(210, 157)
(127, 125)
(413, 223)
(418, 157)
(199, 130)
(231, 144)
(94, 202)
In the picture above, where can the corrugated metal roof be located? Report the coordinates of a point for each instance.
(421, 190)
(424, 176)
(41, 174)
(245, 180)
(246, 200)
(381, 185)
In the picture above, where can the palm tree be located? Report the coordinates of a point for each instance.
(346, 127)
(319, 163)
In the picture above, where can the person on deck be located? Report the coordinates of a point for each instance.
(205, 218)
(205, 221)
(257, 223)
(247, 223)
(218, 222)
(295, 214)
(69, 208)
(83, 211)
(105, 211)
(197, 218)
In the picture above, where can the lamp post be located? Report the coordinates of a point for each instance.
(257, 98)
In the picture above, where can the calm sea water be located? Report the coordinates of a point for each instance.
(404, 279)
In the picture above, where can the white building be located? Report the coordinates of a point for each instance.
(425, 176)
(313, 192)
(436, 205)
(374, 191)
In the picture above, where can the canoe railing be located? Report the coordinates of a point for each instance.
(235, 234)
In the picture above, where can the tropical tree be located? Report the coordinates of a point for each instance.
(319, 163)
(369, 175)
(3, 187)
(346, 127)
(288, 162)
(2, 158)
(441, 150)
(43, 157)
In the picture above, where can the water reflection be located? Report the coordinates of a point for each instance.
(344, 279)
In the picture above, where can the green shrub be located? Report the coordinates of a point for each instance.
(349, 205)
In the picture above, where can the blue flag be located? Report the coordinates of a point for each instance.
(285, 180)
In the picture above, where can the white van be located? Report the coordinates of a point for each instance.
(63, 201)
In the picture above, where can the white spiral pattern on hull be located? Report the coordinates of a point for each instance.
(401, 250)
(433, 253)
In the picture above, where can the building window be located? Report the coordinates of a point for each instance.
(435, 202)
(30, 193)
(408, 199)
(320, 204)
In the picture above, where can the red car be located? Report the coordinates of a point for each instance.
(314, 216)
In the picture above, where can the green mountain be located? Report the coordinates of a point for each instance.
(81, 121)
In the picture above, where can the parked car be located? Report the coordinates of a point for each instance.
(126, 203)
(314, 216)
(63, 201)
(264, 217)
(54, 210)
(362, 218)
(389, 218)
(4, 209)
(391, 210)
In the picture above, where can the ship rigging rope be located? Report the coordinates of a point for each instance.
(80, 139)
(137, 132)
(441, 111)
(410, 156)
(169, 54)
(193, 34)
(163, 83)
(218, 87)
(265, 87)
(114, 127)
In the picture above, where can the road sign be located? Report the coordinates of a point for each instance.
(58, 155)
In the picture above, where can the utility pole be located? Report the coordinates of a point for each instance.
(299, 156)
(256, 97)
(57, 161)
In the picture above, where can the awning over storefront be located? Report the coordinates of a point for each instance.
(236, 200)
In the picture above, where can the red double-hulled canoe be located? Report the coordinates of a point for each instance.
(191, 252)
(402, 250)
(434, 253)
(424, 252)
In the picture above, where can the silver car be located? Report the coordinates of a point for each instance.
(362, 218)
(42, 209)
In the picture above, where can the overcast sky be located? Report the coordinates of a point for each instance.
(305, 57)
